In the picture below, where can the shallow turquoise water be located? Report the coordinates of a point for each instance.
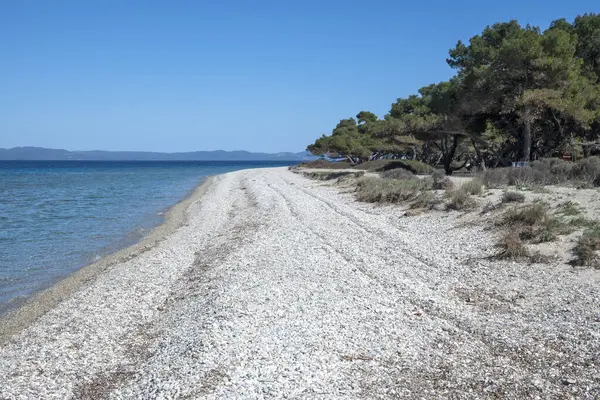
(56, 217)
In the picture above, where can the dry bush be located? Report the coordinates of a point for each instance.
(586, 249)
(527, 176)
(512, 247)
(513, 197)
(587, 170)
(496, 178)
(329, 175)
(555, 170)
(441, 181)
(534, 223)
(425, 199)
(376, 190)
(460, 199)
(473, 187)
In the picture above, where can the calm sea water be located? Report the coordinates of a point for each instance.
(57, 216)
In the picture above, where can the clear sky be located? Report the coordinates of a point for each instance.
(205, 75)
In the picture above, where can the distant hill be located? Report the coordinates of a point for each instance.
(40, 153)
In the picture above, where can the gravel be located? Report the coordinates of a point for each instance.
(281, 287)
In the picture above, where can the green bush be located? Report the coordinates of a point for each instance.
(398, 173)
(533, 222)
(417, 167)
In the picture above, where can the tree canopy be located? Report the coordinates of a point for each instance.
(518, 94)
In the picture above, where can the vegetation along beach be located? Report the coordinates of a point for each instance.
(447, 248)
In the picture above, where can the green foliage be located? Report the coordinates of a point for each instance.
(398, 173)
(569, 209)
(519, 93)
(416, 167)
(534, 223)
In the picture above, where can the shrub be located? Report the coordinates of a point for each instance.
(512, 247)
(376, 190)
(513, 197)
(556, 170)
(326, 164)
(527, 176)
(460, 199)
(534, 223)
(329, 175)
(474, 187)
(586, 249)
(425, 199)
(569, 209)
(417, 167)
(531, 215)
(588, 170)
(398, 173)
(495, 178)
(441, 181)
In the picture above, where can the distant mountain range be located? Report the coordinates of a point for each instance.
(40, 153)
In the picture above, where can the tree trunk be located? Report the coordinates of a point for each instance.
(527, 134)
(478, 154)
(449, 152)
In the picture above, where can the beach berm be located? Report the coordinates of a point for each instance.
(272, 285)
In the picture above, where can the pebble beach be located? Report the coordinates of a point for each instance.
(265, 284)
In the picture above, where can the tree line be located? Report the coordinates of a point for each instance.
(519, 94)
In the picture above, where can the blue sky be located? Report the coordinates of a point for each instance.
(198, 75)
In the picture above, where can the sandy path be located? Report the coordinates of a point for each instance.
(281, 287)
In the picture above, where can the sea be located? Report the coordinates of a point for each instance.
(58, 216)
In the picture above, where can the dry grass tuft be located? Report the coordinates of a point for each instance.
(376, 190)
(512, 247)
(460, 199)
(586, 249)
(473, 187)
(532, 223)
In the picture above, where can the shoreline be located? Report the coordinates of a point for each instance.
(28, 311)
